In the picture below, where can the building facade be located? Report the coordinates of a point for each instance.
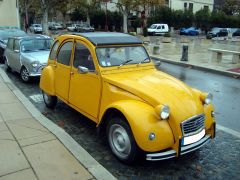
(9, 13)
(194, 5)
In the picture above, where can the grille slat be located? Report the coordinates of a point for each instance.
(193, 125)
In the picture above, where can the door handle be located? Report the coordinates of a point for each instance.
(72, 73)
(54, 65)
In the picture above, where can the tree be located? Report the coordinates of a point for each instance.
(231, 7)
(126, 5)
(202, 19)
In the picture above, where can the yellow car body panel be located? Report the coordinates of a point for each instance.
(138, 91)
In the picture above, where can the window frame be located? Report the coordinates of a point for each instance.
(56, 50)
(59, 49)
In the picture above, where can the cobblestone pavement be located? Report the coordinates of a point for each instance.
(219, 159)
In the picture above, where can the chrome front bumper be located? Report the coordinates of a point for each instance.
(183, 150)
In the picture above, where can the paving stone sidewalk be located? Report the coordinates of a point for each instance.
(29, 151)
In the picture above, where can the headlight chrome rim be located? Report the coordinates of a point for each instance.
(165, 112)
(208, 99)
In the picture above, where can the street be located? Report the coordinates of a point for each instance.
(217, 160)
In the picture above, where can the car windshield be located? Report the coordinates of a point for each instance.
(153, 26)
(37, 25)
(35, 44)
(118, 56)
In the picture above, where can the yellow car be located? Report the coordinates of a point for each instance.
(110, 78)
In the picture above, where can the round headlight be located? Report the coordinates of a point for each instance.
(165, 111)
(208, 99)
(35, 64)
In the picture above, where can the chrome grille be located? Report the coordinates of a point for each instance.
(193, 125)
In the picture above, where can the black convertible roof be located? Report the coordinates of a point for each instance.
(110, 38)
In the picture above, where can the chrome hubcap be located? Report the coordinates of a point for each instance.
(119, 141)
(25, 75)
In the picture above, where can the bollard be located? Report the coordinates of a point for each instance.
(156, 50)
(184, 53)
(157, 41)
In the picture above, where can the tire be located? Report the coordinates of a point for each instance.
(50, 101)
(121, 141)
(6, 64)
(25, 75)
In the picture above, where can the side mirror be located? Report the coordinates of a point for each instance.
(16, 51)
(82, 70)
(157, 63)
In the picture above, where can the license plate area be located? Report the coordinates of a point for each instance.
(193, 138)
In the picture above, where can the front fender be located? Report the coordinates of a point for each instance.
(47, 80)
(143, 120)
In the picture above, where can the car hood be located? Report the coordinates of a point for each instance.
(41, 56)
(158, 88)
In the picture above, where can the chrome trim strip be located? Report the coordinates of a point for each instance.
(183, 150)
(192, 147)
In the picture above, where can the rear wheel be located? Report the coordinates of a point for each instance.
(121, 140)
(50, 101)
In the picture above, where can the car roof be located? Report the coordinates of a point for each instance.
(109, 38)
(31, 37)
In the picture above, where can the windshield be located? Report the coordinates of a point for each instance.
(153, 26)
(37, 25)
(116, 56)
(35, 45)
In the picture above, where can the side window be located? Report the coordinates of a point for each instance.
(16, 45)
(163, 27)
(64, 54)
(53, 53)
(10, 44)
(159, 27)
(83, 57)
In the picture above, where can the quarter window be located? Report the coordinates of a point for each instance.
(10, 44)
(64, 54)
(53, 53)
(16, 45)
(83, 57)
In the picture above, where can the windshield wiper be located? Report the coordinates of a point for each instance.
(144, 60)
(125, 62)
(42, 49)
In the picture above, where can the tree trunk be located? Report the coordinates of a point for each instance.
(125, 23)
(88, 17)
(45, 21)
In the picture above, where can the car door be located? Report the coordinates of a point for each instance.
(85, 88)
(62, 69)
(9, 52)
(158, 30)
(16, 61)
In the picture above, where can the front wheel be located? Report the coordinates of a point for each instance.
(50, 101)
(25, 75)
(121, 141)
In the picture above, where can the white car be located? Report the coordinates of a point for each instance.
(56, 26)
(72, 27)
(36, 28)
(159, 29)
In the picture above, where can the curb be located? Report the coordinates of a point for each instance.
(187, 64)
(96, 169)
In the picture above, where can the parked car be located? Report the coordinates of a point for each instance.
(110, 78)
(84, 28)
(36, 28)
(4, 35)
(236, 32)
(158, 29)
(55, 26)
(72, 27)
(217, 32)
(192, 31)
(27, 55)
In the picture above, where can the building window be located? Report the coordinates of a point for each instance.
(185, 6)
(206, 8)
(191, 6)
